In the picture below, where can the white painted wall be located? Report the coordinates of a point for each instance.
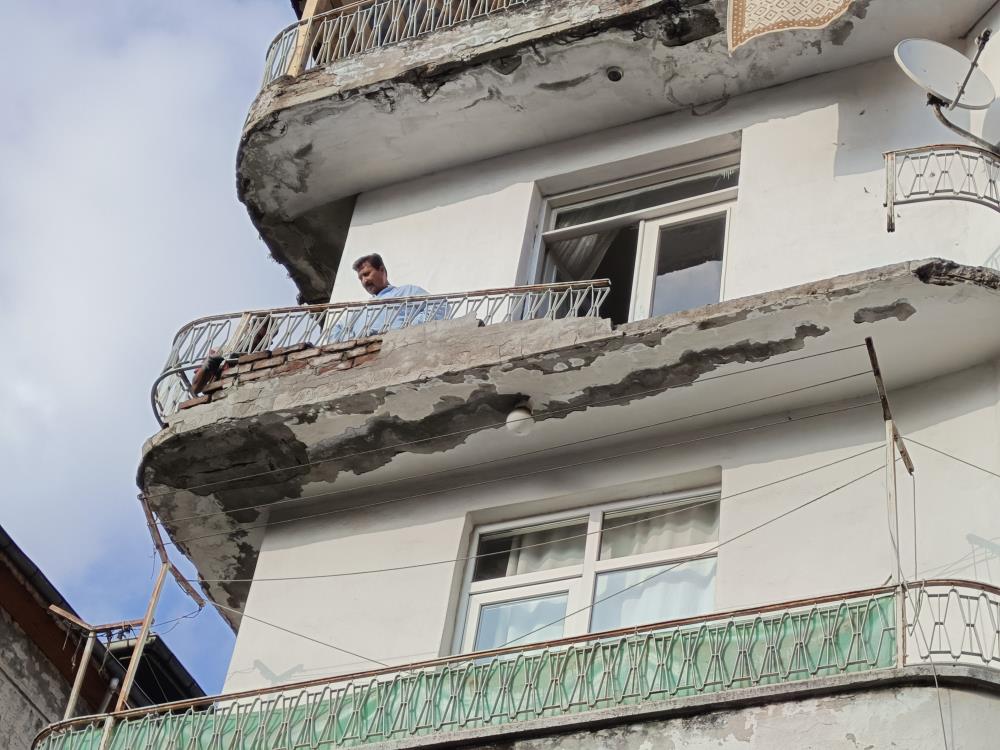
(839, 544)
(810, 205)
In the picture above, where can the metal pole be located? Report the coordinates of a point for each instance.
(81, 670)
(147, 624)
(890, 487)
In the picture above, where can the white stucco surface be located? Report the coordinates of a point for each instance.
(838, 544)
(812, 186)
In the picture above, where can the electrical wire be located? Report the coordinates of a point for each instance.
(676, 565)
(683, 508)
(480, 464)
(300, 635)
(905, 586)
(956, 458)
(522, 475)
(469, 430)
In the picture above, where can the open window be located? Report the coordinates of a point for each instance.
(596, 569)
(660, 238)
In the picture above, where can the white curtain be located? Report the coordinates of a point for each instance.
(659, 529)
(661, 592)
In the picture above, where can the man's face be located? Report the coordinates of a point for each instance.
(374, 280)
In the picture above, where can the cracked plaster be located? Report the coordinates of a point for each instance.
(518, 79)
(433, 386)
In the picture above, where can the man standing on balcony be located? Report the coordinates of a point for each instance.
(379, 318)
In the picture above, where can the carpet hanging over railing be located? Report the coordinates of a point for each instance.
(749, 19)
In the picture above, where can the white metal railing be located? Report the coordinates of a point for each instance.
(364, 26)
(953, 622)
(944, 172)
(233, 335)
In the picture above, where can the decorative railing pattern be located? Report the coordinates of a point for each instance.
(770, 646)
(236, 334)
(364, 26)
(953, 622)
(949, 172)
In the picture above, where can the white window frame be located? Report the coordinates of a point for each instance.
(648, 254)
(720, 201)
(578, 581)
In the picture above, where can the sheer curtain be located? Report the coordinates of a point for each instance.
(661, 528)
(660, 592)
(500, 624)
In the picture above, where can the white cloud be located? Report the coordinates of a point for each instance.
(118, 223)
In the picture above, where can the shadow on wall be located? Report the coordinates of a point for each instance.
(886, 113)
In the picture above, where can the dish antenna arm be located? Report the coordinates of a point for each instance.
(981, 41)
(936, 104)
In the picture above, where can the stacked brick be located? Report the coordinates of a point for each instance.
(288, 359)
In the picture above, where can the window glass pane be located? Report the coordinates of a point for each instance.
(689, 264)
(499, 624)
(659, 592)
(664, 527)
(528, 550)
(658, 195)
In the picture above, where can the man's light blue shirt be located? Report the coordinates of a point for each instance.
(372, 321)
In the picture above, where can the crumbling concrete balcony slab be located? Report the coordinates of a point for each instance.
(427, 406)
(529, 75)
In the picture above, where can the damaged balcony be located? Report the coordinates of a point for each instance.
(933, 632)
(339, 336)
(428, 403)
(344, 86)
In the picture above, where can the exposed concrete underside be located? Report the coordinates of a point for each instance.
(526, 77)
(433, 403)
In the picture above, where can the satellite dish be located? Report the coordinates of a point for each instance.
(945, 74)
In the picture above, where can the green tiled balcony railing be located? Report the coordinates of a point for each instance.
(779, 644)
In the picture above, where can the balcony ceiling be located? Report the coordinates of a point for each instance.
(443, 381)
(515, 80)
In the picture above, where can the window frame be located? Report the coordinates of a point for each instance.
(716, 201)
(578, 581)
(648, 251)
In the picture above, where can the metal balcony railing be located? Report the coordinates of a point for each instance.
(786, 643)
(364, 26)
(938, 622)
(945, 172)
(236, 334)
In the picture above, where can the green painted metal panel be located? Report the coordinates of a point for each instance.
(778, 647)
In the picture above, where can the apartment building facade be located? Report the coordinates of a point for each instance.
(622, 476)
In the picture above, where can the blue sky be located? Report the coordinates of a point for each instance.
(118, 223)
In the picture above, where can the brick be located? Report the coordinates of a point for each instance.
(364, 359)
(255, 357)
(347, 364)
(326, 359)
(240, 369)
(341, 347)
(264, 364)
(283, 350)
(194, 402)
(215, 385)
(304, 354)
(293, 366)
(356, 352)
(251, 376)
(375, 347)
(369, 340)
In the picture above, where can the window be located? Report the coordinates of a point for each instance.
(602, 568)
(660, 238)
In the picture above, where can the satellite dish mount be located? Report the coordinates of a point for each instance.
(950, 80)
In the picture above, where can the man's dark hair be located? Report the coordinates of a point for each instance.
(374, 260)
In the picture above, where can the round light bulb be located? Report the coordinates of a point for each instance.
(520, 421)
